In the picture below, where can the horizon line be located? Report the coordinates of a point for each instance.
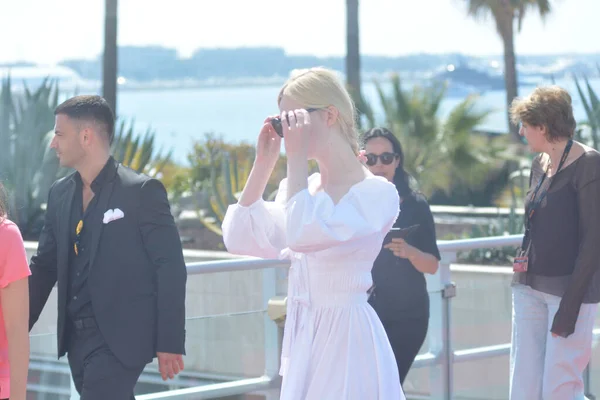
(404, 55)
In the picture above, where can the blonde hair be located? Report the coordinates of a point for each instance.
(549, 106)
(320, 88)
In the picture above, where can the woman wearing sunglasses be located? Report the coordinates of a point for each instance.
(334, 346)
(14, 309)
(399, 293)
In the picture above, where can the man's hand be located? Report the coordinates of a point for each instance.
(169, 365)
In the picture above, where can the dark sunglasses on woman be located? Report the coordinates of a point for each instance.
(386, 158)
(276, 122)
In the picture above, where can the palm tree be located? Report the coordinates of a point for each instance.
(441, 154)
(505, 12)
(353, 53)
(109, 60)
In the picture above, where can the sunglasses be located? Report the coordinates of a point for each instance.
(276, 122)
(78, 236)
(386, 158)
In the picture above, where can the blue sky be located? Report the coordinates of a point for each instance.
(47, 31)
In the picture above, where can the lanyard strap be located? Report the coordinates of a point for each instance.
(535, 200)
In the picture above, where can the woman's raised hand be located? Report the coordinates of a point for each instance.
(268, 146)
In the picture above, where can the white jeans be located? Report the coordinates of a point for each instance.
(543, 367)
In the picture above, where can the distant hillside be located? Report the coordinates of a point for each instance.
(151, 63)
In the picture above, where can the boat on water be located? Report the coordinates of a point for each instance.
(32, 76)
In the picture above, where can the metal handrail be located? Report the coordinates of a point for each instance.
(430, 359)
(478, 353)
(253, 263)
(440, 358)
(240, 264)
(479, 243)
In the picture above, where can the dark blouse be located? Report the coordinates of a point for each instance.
(564, 257)
(400, 289)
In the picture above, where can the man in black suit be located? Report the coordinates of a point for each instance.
(111, 243)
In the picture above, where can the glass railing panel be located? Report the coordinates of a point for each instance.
(49, 378)
(219, 349)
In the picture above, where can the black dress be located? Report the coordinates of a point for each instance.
(400, 296)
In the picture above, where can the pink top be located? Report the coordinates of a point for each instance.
(13, 266)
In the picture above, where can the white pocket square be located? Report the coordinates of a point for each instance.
(112, 215)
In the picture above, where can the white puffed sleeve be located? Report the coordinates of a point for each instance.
(259, 229)
(315, 223)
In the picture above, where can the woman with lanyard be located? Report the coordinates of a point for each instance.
(556, 284)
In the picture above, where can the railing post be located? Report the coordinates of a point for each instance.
(442, 289)
(271, 344)
(587, 384)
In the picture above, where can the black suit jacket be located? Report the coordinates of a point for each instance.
(137, 272)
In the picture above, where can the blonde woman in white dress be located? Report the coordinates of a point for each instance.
(331, 226)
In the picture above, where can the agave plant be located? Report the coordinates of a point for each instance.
(27, 167)
(138, 152)
(440, 154)
(225, 189)
(220, 170)
(591, 104)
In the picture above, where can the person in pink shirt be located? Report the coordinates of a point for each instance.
(14, 309)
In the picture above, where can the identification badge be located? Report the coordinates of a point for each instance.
(520, 264)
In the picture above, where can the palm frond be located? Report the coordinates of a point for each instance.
(138, 152)
(439, 153)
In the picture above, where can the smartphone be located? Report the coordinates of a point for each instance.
(401, 233)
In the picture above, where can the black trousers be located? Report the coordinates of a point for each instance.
(97, 373)
(406, 336)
